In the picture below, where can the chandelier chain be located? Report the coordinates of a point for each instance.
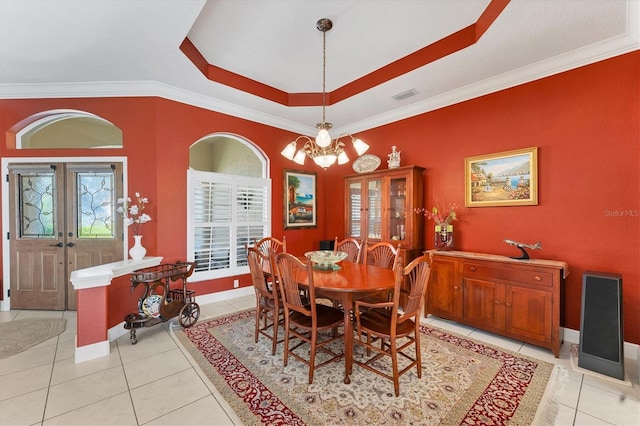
(323, 150)
(324, 73)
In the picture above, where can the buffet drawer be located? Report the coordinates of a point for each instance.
(526, 275)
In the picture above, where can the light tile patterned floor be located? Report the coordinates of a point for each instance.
(154, 383)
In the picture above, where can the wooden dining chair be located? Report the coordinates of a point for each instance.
(397, 330)
(305, 320)
(351, 246)
(269, 307)
(382, 254)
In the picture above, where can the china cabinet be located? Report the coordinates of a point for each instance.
(380, 207)
(520, 299)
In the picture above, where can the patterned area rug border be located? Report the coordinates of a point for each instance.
(478, 383)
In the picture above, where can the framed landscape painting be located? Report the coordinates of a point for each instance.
(299, 200)
(503, 179)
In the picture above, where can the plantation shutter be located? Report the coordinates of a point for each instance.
(227, 212)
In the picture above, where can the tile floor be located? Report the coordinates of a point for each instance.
(154, 383)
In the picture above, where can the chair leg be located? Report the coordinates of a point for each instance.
(312, 357)
(257, 324)
(394, 361)
(416, 342)
(286, 342)
(274, 341)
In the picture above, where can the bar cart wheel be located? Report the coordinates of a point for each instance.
(189, 314)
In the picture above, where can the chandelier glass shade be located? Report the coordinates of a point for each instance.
(323, 150)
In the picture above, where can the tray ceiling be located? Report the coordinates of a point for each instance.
(58, 48)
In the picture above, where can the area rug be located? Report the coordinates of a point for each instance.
(463, 382)
(20, 335)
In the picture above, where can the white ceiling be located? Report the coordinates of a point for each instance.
(71, 48)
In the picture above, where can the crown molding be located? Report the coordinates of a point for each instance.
(578, 58)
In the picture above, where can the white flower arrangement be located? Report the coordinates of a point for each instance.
(133, 213)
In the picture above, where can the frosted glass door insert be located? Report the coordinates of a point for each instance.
(397, 208)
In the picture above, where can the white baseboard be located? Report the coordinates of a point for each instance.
(222, 296)
(92, 351)
(118, 330)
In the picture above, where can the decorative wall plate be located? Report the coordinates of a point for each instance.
(366, 163)
(151, 305)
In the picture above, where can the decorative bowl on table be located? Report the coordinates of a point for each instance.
(326, 259)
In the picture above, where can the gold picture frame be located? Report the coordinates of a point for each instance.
(507, 178)
(300, 198)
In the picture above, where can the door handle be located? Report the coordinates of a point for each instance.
(69, 244)
(56, 245)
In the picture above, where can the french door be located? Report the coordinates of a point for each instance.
(63, 218)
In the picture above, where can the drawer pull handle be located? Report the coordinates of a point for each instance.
(497, 302)
(508, 305)
(455, 287)
(537, 278)
(472, 269)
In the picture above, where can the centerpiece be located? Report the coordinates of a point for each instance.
(326, 259)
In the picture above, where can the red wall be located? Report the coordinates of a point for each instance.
(584, 122)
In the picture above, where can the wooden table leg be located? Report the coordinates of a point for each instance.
(347, 301)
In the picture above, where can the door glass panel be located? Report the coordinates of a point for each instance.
(374, 202)
(37, 205)
(398, 210)
(96, 206)
(355, 210)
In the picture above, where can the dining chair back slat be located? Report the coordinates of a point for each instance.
(271, 245)
(291, 272)
(351, 246)
(416, 275)
(382, 254)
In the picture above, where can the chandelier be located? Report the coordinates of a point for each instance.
(323, 150)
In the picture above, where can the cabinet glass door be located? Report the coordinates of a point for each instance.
(374, 211)
(397, 209)
(354, 227)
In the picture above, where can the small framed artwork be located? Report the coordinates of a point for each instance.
(300, 200)
(503, 179)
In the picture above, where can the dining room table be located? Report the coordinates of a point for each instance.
(346, 284)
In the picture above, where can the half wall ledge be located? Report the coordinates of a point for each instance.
(92, 339)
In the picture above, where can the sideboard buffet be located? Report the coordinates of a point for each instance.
(520, 299)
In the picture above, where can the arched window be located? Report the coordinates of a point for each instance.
(229, 198)
(67, 129)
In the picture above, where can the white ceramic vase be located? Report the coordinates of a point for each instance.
(137, 252)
